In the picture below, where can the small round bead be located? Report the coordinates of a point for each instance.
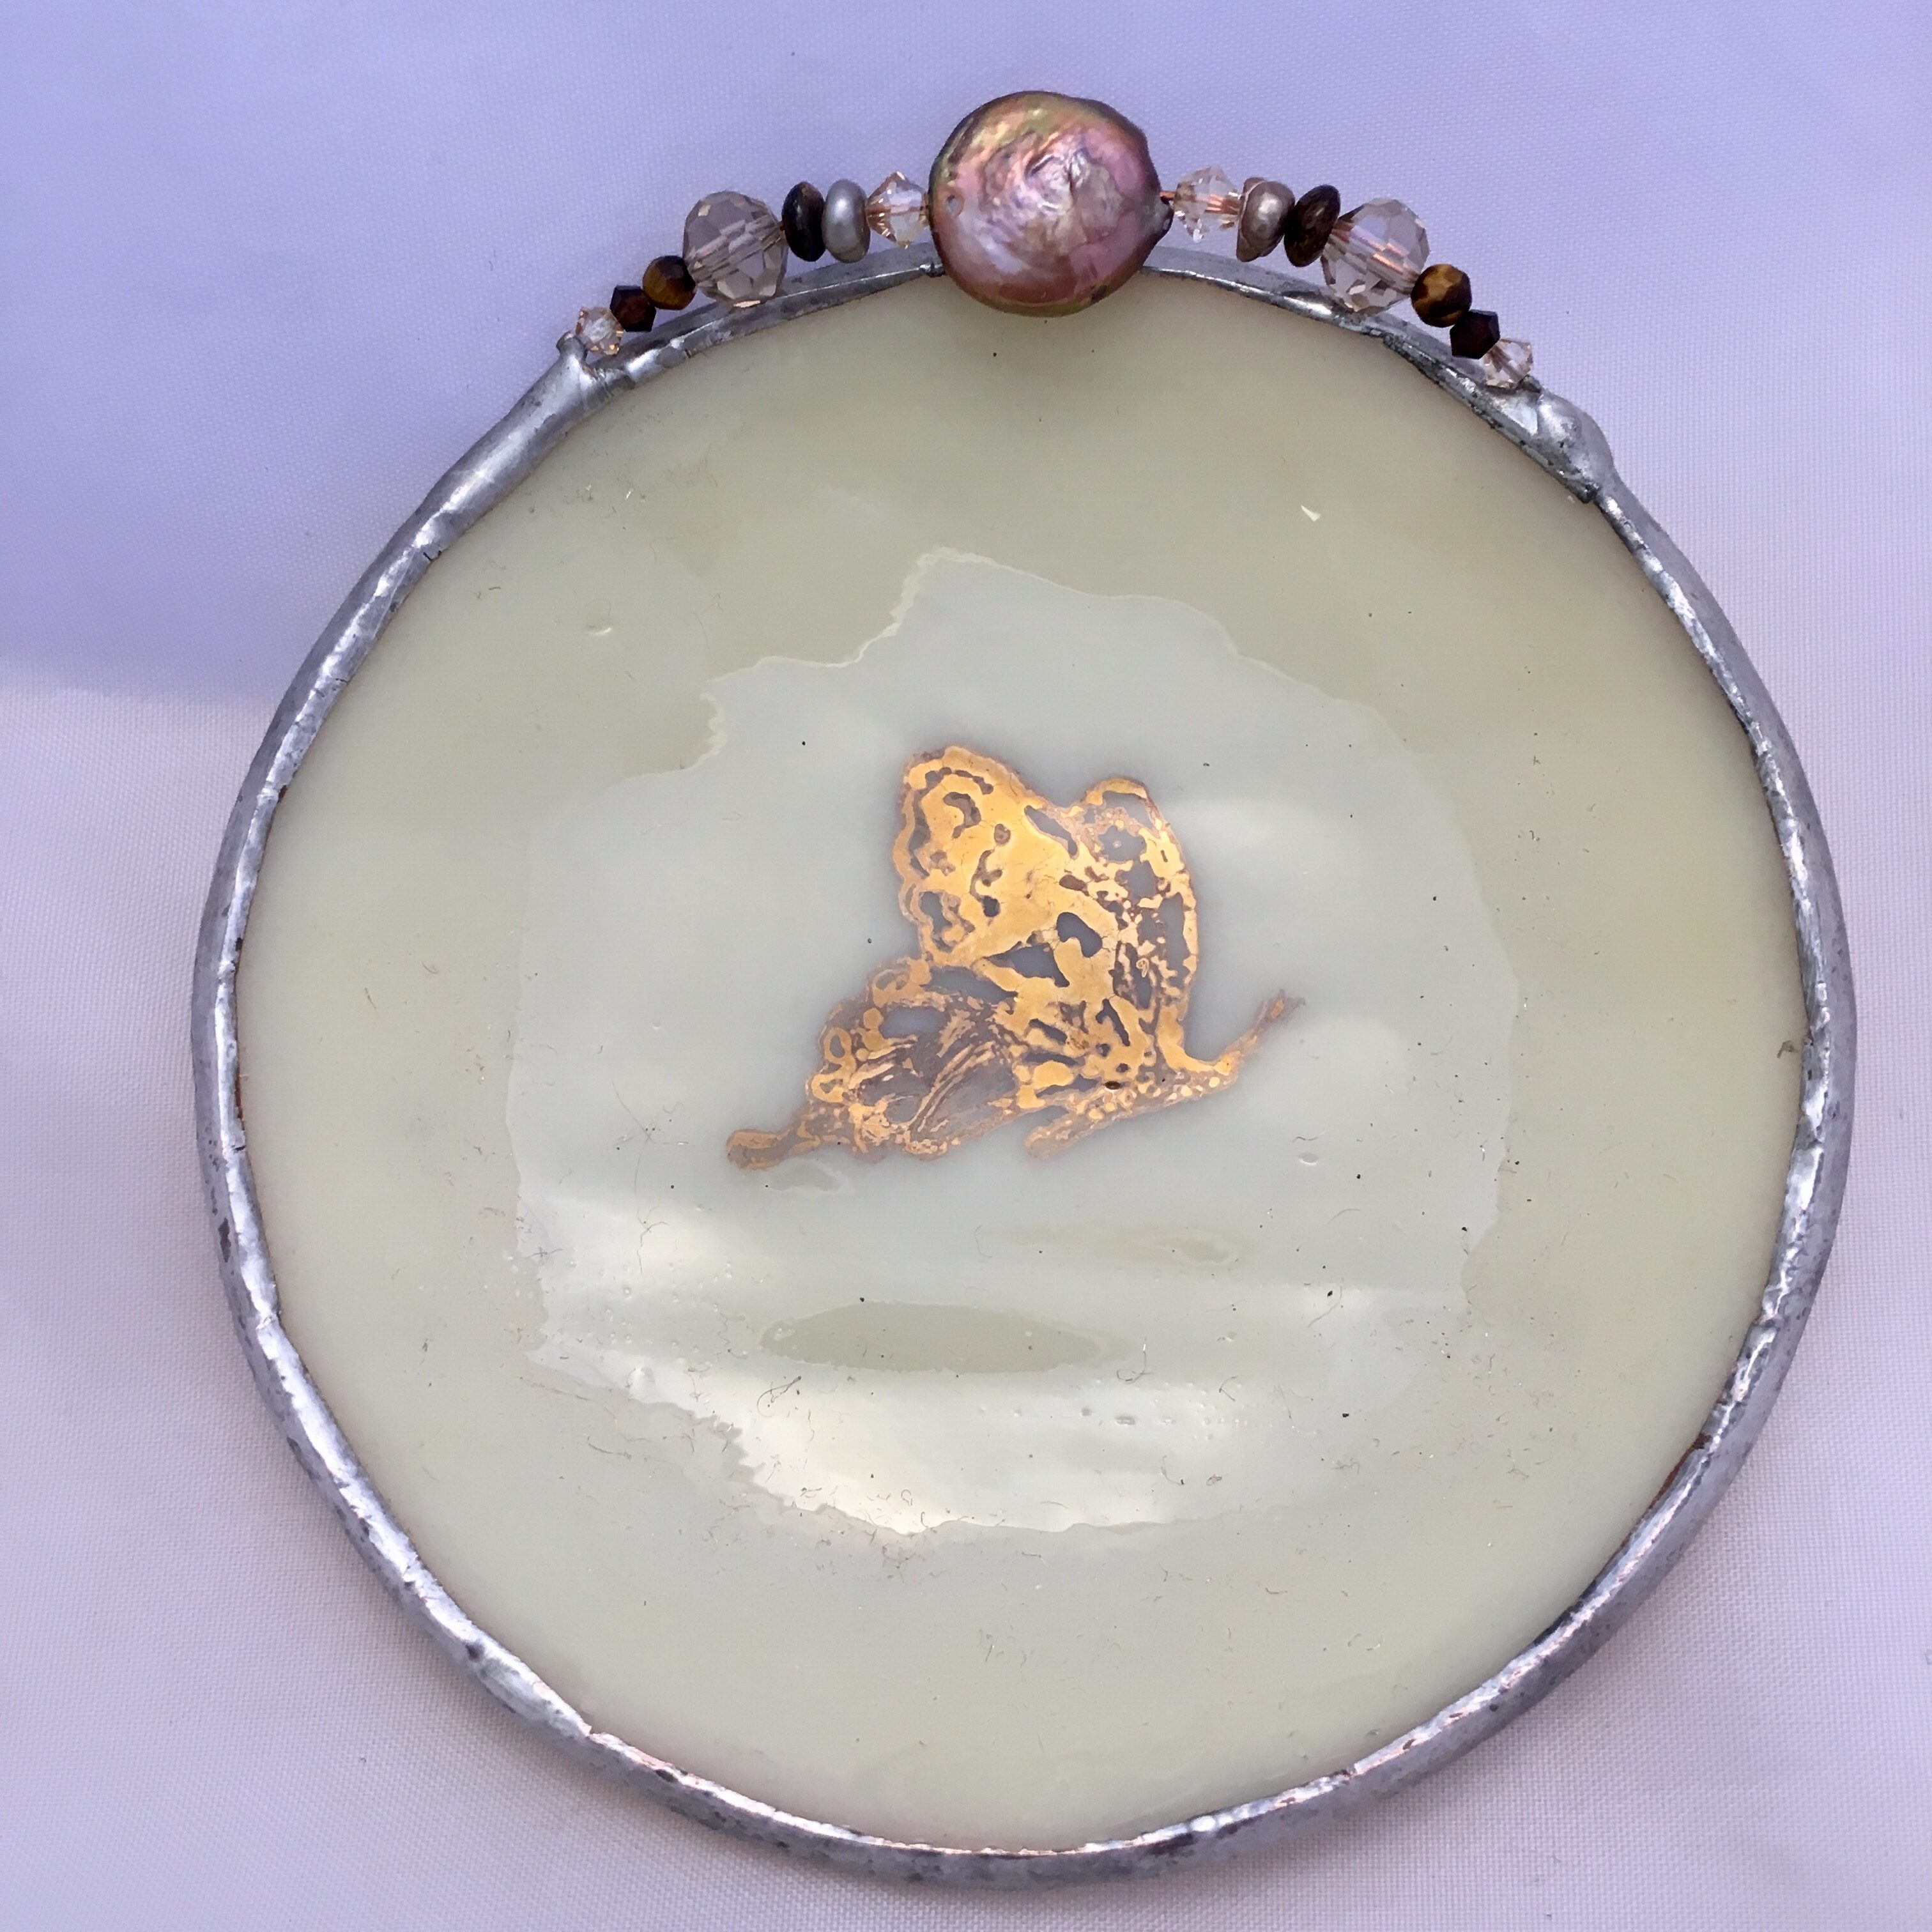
(1309, 221)
(1441, 296)
(1265, 207)
(847, 232)
(1476, 334)
(634, 310)
(668, 283)
(803, 215)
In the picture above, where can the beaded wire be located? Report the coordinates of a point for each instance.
(736, 251)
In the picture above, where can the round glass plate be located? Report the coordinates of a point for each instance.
(1019, 1097)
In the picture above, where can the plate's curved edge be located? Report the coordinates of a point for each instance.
(1554, 433)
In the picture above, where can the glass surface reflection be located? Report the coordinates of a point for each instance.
(1204, 1308)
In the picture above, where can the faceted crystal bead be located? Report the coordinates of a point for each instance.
(1506, 365)
(1374, 255)
(1206, 198)
(599, 330)
(896, 210)
(735, 249)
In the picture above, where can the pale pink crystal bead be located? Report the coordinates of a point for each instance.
(1373, 255)
(1507, 365)
(600, 331)
(896, 210)
(1205, 198)
(735, 249)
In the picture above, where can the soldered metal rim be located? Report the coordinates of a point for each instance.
(1551, 433)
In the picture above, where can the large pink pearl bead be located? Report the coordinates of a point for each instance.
(1040, 205)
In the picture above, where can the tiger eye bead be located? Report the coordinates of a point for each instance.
(1305, 233)
(668, 283)
(634, 310)
(1441, 296)
(1476, 334)
(803, 215)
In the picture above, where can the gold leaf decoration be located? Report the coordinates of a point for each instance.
(1057, 951)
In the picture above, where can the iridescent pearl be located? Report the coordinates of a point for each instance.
(1040, 204)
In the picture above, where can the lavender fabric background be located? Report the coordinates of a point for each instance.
(265, 269)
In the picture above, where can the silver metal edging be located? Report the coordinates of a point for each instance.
(1554, 434)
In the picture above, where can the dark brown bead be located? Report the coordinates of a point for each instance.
(803, 217)
(1476, 334)
(1441, 296)
(1308, 222)
(668, 283)
(634, 310)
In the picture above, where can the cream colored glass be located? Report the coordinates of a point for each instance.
(997, 1500)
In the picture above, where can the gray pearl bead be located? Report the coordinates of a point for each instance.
(1265, 206)
(843, 223)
